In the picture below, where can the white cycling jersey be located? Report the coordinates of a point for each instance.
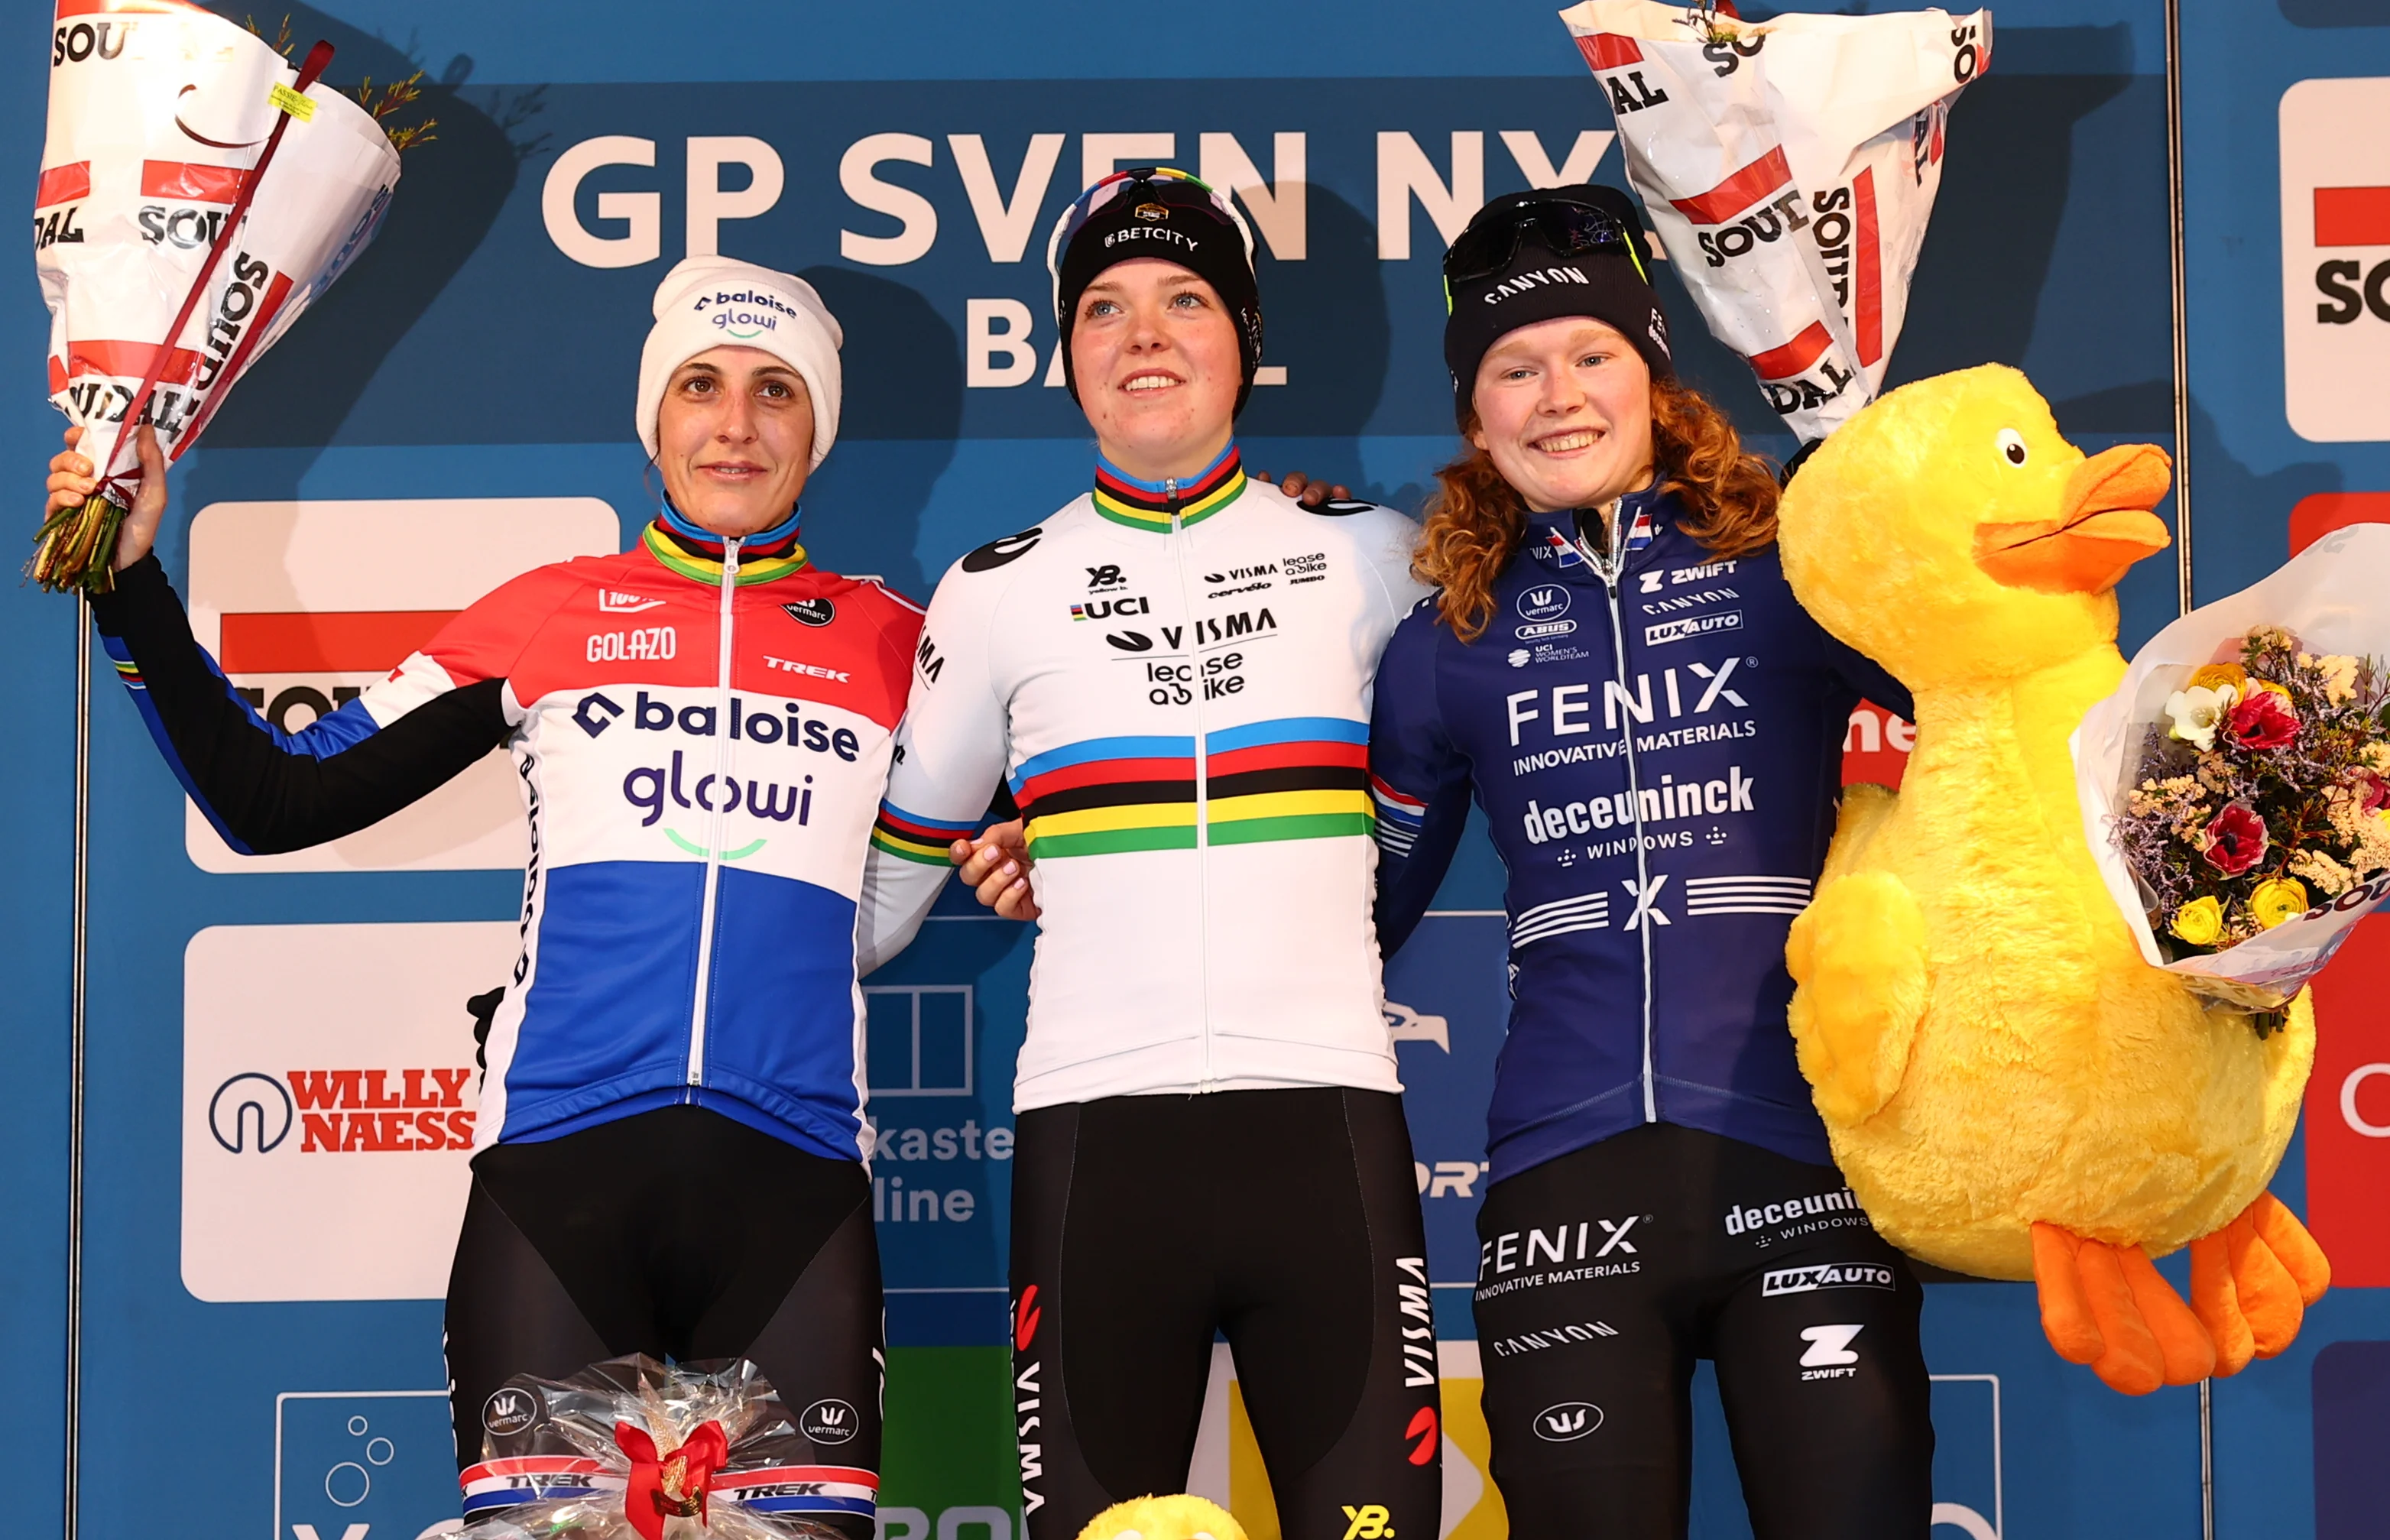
(1175, 680)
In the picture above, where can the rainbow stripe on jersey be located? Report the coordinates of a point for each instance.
(696, 554)
(1302, 777)
(1142, 505)
(914, 838)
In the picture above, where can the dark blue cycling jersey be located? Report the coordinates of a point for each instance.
(1656, 742)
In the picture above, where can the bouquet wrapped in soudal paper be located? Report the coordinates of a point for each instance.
(631, 1447)
(2236, 786)
(196, 194)
(1789, 167)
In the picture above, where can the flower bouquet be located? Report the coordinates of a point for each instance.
(631, 1447)
(1790, 167)
(196, 194)
(2236, 786)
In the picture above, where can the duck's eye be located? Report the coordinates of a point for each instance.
(2012, 444)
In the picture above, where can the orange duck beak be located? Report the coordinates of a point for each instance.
(2104, 525)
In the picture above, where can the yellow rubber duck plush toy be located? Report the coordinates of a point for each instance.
(2010, 1090)
(1163, 1518)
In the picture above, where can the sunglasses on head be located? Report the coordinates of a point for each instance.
(1489, 246)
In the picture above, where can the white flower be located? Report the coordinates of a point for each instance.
(2196, 712)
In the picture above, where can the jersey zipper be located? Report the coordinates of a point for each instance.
(1610, 565)
(713, 820)
(1202, 787)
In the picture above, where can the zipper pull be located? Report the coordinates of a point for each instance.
(729, 559)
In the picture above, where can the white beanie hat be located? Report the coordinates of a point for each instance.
(712, 301)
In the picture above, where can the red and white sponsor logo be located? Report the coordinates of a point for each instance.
(2336, 179)
(305, 604)
(328, 1105)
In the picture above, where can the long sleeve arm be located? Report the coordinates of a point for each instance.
(266, 791)
(950, 759)
(1418, 779)
(1865, 676)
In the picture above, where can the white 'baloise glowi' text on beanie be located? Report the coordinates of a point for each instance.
(709, 301)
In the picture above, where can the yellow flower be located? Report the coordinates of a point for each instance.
(2278, 899)
(2199, 921)
(2282, 690)
(2215, 674)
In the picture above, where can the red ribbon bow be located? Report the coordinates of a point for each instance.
(671, 1485)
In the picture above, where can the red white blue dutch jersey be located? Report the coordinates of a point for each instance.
(701, 763)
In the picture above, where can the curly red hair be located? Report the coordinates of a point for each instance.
(1475, 520)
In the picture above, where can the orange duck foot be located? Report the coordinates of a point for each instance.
(2106, 1306)
(2252, 1282)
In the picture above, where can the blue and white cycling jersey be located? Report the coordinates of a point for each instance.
(1656, 741)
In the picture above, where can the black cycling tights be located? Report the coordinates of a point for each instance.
(677, 1233)
(1604, 1274)
(1287, 1219)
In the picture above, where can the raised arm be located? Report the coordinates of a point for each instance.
(266, 791)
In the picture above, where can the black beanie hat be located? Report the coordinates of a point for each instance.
(1535, 256)
(1156, 211)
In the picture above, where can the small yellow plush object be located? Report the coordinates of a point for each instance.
(2010, 1090)
(1164, 1519)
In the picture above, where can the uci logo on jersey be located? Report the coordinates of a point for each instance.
(1543, 601)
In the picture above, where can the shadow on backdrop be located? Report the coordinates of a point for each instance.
(1988, 252)
(900, 409)
(449, 194)
(2336, 13)
(1326, 322)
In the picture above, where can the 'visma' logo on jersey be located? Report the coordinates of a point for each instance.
(1544, 601)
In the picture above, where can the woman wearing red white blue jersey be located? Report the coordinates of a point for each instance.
(1616, 672)
(670, 1133)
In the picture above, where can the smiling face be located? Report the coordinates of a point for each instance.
(735, 439)
(1158, 364)
(1564, 411)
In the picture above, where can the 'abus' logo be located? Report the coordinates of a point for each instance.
(828, 1421)
(249, 1113)
(1567, 1422)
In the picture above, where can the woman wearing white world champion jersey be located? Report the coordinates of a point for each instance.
(1172, 672)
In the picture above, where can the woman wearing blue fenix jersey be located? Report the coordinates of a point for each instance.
(1615, 671)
